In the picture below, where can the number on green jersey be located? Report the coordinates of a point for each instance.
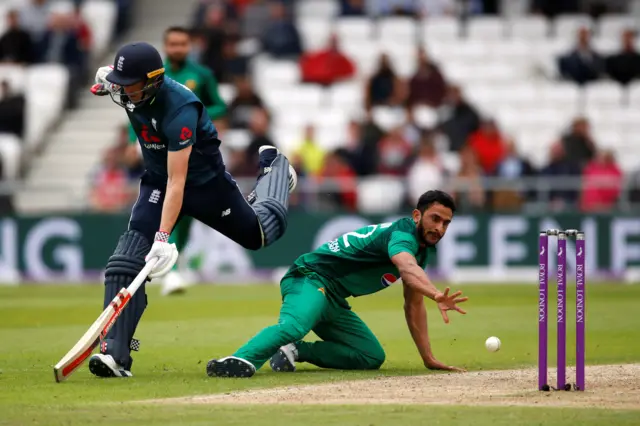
(355, 234)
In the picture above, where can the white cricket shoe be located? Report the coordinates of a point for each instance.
(103, 365)
(285, 359)
(173, 283)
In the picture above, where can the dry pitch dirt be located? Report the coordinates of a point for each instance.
(608, 386)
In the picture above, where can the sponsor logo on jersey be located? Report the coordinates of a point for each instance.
(155, 146)
(334, 246)
(387, 279)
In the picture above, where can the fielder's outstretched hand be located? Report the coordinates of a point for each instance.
(434, 364)
(447, 302)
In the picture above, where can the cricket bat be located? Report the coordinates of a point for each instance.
(99, 329)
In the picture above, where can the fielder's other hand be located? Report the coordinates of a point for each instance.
(167, 255)
(434, 364)
(448, 302)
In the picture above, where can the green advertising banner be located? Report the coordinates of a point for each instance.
(487, 247)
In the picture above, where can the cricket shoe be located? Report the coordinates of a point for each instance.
(103, 365)
(285, 359)
(267, 155)
(230, 366)
(173, 283)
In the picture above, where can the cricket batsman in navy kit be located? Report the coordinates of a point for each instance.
(184, 176)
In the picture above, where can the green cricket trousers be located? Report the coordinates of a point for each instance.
(347, 343)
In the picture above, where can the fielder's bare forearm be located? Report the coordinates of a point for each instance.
(172, 205)
(416, 317)
(414, 276)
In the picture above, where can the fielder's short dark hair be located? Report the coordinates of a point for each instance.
(435, 196)
(176, 29)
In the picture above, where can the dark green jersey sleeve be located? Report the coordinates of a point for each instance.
(180, 131)
(133, 138)
(216, 107)
(401, 241)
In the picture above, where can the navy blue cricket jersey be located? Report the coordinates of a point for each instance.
(174, 120)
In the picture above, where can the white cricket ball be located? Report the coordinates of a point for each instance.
(492, 344)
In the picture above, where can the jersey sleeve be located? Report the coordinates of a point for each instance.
(133, 138)
(402, 242)
(180, 131)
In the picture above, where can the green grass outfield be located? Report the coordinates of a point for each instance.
(39, 324)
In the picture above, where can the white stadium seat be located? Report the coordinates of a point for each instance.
(315, 32)
(350, 29)
(425, 117)
(604, 93)
(46, 90)
(227, 92)
(528, 28)
(237, 139)
(101, 18)
(486, 28)
(441, 28)
(400, 29)
(567, 26)
(377, 195)
(276, 74)
(388, 118)
(15, 75)
(348, 95)
(611, 26)
(323, 9)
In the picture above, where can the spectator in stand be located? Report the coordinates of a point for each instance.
(234, 64)
(215, 34)
(553, 8)
(339, 184)
(393, 7)
(427, 171)
(244, 105)
(256, 19)
(230, 10)
(427, 86)
(281, 38)
(561, 172)
(34, 18)
(602, 182)
(353, 8)
(514, 166)
(198, 46)
(489, 146)
(578, 144)
(15, 43)
(394, 154)
(460, 119)
(12, 110)
(327, 66)
(259, 127)
(309, 154)
(111, 191)
(624, 67)
(468, 190)
(583, 64)
(437, 8)
(383, 85)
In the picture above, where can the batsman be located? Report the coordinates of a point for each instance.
(314, 292)
(184, 176)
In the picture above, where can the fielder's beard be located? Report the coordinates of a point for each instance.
(423, 236)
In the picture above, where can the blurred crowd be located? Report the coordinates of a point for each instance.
(412, 152)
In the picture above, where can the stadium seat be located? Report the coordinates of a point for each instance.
(314, 32)
(15, 75)
(10, 155)
(442, 28)
(287, 137)
(276, 74)
(388, 118)
(425, 117)
(227, 92)
(354, 29)
(46, 89)
(606, 45)
(567, 26)
(101, 18)
(604, 93)
(365, 55)
(611, 26)
(486, 28)
(380, 194)
(237, 139)
(528, 28)
(608, 139)
(348, 95)
(323, 9)
(331, 138)
(398, 29)
(564, 95)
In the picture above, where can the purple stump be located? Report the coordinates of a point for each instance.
(562, 310)
(542, 310)
(580, 310)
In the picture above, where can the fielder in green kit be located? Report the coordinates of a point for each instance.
(200, 80)
(315, 288)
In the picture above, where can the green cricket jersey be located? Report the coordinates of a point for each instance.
(359, 262)
(201, 82)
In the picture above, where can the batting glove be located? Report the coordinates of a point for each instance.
(167, 255)
(102, 87)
